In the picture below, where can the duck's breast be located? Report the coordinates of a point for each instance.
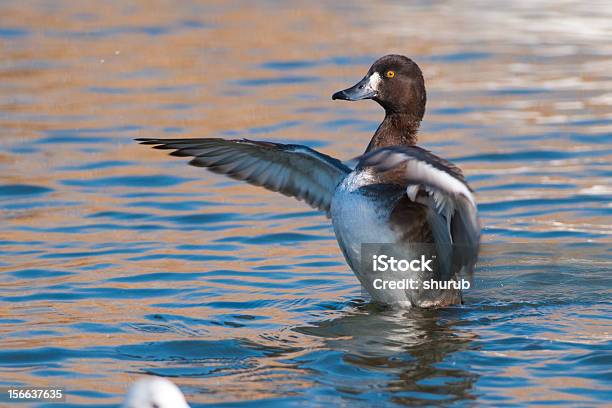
(360, 213)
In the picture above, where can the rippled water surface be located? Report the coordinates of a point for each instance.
(117, 260)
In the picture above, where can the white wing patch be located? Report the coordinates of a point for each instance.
(424, 173)
(412, 190)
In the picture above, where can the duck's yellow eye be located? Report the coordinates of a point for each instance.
(390, 74)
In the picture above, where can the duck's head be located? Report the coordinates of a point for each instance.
(395, 82)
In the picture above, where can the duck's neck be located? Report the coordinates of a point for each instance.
(397, 129)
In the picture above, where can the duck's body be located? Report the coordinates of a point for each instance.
(398, 194)
(360, 210)
(370, 215)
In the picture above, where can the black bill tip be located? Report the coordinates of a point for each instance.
(360, 90)
(340, 95)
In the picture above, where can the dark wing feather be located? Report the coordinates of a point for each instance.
(294, 170)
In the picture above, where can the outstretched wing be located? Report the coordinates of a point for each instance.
(438, 184)
(294, 170)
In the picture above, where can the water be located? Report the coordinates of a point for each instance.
(117, 260)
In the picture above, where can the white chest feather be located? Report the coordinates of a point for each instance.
(358, 218)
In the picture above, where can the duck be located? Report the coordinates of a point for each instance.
(396, 200)
(154, 392)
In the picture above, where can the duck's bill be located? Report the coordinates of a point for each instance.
(361, 90)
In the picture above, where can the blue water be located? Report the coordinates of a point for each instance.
(117, 260)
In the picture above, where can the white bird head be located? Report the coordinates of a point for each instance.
(154, 392)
